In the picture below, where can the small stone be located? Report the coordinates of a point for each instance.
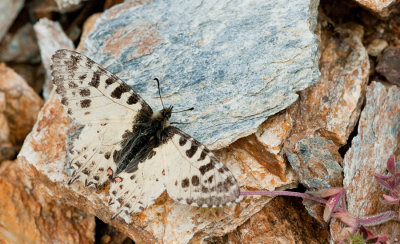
(51, 37)
(315, 160)
(380, 7)
(376, 47)
(9, 10)
(20, 46)
(22, 104)
(389, 65)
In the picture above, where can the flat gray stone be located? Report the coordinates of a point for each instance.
(235, 62)
(316, 162)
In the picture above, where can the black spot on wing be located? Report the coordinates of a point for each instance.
(64, 101)
(133, 99)
(207, 167)
(85, 103)
(117, 93)
(84, 92)
(109, 81)
(95, 79)
(72, 84)
(182, 141)
(82, 77)
(185, 183)
(195, 180)
(192, 150)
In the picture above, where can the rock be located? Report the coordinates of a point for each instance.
(284, 220)
(389, 65)
(379, 7)
(65, 6)
(332, 106)
(376, 140)
(27, 215)
(20, 46)
(20, 106)
(9, 10)
(316, 161)
(51, 37)
(376, 47)
(88, 27)
(33, 74)
(220, 73)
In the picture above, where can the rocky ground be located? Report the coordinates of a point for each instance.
(301, 96)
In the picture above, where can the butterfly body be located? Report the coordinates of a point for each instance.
(148, 133)
(122, 139)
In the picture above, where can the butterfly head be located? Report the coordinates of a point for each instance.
(166, 112)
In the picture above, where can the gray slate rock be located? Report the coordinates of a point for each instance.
(235, 62)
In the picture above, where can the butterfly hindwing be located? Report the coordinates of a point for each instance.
(194, 174)
(103, 104)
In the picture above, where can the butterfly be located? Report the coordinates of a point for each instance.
(121, 140)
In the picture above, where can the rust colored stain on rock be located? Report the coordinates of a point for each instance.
(22, 104)
(145, 37)
(281, 221)
(253, 147)
(26, 216)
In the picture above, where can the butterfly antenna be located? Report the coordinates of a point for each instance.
(189, 109)
(159, 90)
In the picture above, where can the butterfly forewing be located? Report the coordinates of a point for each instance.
(103, 104)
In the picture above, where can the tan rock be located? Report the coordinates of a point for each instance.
(332, 106)
(380, 7)
(88, 26)
(27, 215)
(283, 220)
(376, 47)
(19, 108)
(377, 139)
